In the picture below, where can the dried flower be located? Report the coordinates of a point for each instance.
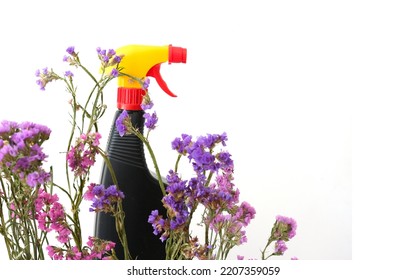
(103, 199)
(82, 156)
(122, 123)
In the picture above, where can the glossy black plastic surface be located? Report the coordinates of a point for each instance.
(141, 190)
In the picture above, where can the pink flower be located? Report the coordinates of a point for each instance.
(289, 224)
(82, 156)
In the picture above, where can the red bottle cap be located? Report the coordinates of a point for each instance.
(130, 98)
(177, 55)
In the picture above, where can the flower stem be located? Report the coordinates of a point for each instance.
(119, 215)
(177, 163)
(153, 158)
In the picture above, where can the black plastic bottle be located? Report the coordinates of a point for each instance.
(126, 154)
(142, 194)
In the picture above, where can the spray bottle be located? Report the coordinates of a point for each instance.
(126, 154)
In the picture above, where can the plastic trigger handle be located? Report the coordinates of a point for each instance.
(155, 73)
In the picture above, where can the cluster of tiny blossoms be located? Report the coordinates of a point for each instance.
(283, 230)
(95, 249)
(220, 199)
(103, 199)
(81, 157)
(123, 122)
(108, 58)
(21, 152)
(222, 212)
(50, 215)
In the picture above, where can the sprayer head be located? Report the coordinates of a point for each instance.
(140, 61)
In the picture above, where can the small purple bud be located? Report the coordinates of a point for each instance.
(71, 50)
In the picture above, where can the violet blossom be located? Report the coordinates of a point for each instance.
(121, 123)
(103, 199)
(21, 152)
(108, 57)
(151, 120)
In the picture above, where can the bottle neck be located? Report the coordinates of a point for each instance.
(130, 98)
(128, 149)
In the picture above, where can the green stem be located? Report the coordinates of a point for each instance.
(119, 215)
(3, 230)
(208, 181)
(177, 163)
(154, 159)
(71, 139)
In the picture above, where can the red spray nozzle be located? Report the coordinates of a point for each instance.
(177, 55)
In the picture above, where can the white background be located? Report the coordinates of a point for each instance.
(299, 86)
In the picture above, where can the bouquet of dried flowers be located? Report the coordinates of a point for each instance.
(30, 205)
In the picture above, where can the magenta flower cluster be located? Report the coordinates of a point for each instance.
(21, 152)
(82, 156)
(95, 249)
(284, 229)
(51, 216)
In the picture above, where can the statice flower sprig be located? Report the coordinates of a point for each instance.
(124, 126)
(31, 212)
(84, 142)
(21, 178)
(21, 160)
(212, 189)
(284, 229)
(224, 219)
(211, 193)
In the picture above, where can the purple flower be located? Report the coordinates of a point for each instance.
(151, 120)
(21, 152)
(103, 199)
(114, 73)
(108, 58)
(146, 83)
(121, 123)
(68, 74)
(147, 105)
(111, 52)
(225, 160)
(71, 50)
(45, 77)
(117, 59)
(38, 178)
(7, 127)
(181, 144)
